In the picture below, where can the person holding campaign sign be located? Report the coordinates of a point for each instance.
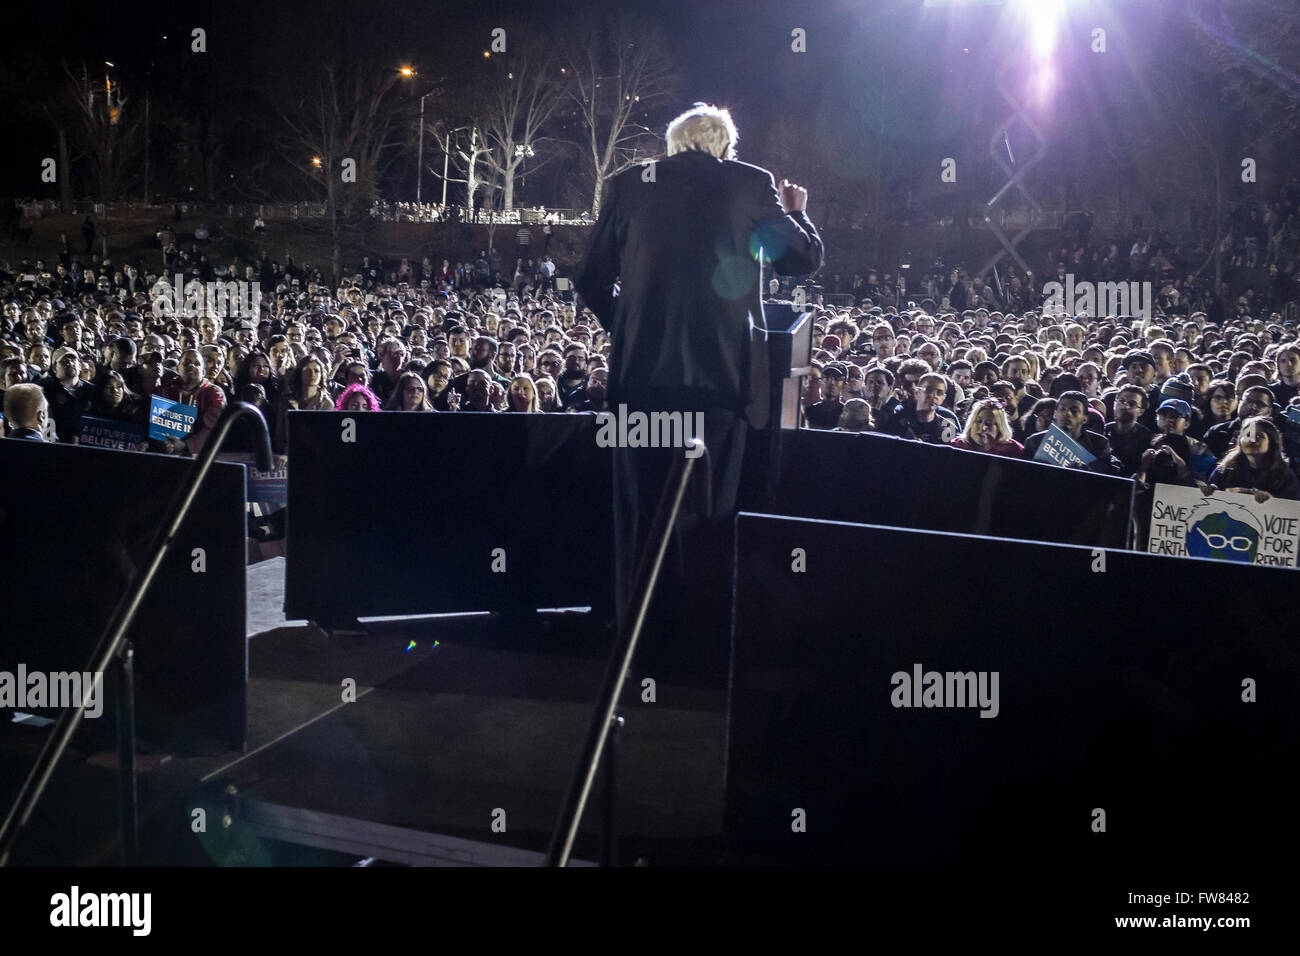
(117, 418)
(1068, 443)
(115, 402)
(190, 388)
(1257, 465)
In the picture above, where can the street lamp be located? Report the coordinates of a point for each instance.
(409, 72)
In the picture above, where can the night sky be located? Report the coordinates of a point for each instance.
(912, 82)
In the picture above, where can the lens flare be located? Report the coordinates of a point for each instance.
(1044, 18)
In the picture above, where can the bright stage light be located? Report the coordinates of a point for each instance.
(1044, 19)
(1039, 21)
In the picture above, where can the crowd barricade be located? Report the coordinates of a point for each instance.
(839, 300)
(82, 522)
(395, 513)
(911, 698)
(876, 479)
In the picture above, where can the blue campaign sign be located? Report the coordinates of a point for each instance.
(1058, 448)
(1203, 465)
(168, 419)
(263, 487)
(105, 433)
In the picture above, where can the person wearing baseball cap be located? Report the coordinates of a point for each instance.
(826, 413)
(1177, 387)
(68, 396)
(1175, 411)
(1173, 419)
(1140, 367)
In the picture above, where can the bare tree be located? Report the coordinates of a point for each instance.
(472, 162)
(102, 131)
(338, 134)
(521, 99)
(613, 86)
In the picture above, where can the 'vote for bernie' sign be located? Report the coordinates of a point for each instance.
(1224, 526)
(168, 419)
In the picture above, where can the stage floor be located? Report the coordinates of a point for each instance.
(443, 737)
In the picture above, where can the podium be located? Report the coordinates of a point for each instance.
(789, 343)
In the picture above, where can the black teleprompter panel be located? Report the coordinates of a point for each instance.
(1119, 689)
(405, 518)
(79, 523)
(878, 479)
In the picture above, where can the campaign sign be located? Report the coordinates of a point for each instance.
(105, 433)
(1203, 466)
(1058, 448)
(168, 419)
(1224, 526)
(264, 487)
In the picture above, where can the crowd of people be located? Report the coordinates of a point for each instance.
(90, 342)
(1174, 399)
(1258, 250)
(1171, 401)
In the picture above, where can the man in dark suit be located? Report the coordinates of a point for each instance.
(26, 410)
(682, 237)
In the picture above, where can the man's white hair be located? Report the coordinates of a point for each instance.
(705, 128)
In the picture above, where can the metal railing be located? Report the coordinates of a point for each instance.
(113, 645)
(604, 719)
(307, 209)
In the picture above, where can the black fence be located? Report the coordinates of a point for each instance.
(442, 513)
(483, 512)
(79, 523)
(1123, 726)
(875, 479)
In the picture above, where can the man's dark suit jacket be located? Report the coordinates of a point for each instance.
(682, 238)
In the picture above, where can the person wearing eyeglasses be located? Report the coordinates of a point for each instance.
(1128, 437)
(1257, 464)
(1255, 400)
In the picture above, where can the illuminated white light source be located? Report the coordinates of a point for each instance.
(1044, 18)
(1044, 82)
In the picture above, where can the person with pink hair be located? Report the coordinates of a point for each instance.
(358, 398)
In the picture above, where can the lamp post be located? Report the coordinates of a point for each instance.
(408, 72)
(419, 172)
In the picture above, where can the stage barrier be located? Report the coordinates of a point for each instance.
(398, 513)
(913, 698)
(79, 523)
(407, 513)
(868, 478)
